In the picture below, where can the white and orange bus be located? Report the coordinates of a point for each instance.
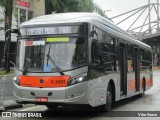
(79, 59)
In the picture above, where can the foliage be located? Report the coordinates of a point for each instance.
(60, 6)
(2, 3)
(3, 72)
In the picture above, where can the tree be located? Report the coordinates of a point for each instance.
(2, 4)
(59, 6)
(8, 25)
(8, 7)
(54, 6)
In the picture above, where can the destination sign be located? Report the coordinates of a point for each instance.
(52, 30)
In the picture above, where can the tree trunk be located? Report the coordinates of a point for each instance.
(8, 25)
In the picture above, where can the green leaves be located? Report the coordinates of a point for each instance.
(2, 21)
(60, 6)
(2, 3)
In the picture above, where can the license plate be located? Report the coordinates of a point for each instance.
(41, 99)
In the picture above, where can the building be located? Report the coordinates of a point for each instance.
(23, 11)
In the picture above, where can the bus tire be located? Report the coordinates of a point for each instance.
(143, 89)
(109, 99)
(52, 107)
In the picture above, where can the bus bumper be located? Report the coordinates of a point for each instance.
(76, 94)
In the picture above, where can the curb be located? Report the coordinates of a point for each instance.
(13, 106)
(10, 104)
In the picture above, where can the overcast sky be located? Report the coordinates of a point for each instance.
(120, 6)
(116, 7)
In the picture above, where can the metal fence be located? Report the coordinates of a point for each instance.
(6, 89)
(1, 95)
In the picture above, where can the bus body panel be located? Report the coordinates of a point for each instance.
(76, 94)
(98, 89)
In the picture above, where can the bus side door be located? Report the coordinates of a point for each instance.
(123, 68)
(137, 68)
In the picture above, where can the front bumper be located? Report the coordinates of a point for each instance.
(76, 94)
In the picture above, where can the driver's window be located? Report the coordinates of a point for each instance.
(97, 58)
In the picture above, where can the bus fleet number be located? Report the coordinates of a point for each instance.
(58, 81)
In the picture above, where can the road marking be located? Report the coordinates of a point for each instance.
(35, 107)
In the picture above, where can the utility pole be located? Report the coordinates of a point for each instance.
(8, 24)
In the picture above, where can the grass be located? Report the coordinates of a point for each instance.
(3, 72)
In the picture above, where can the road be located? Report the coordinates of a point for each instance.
(149, 103)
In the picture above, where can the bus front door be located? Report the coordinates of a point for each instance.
(123, 69)
(137, 69)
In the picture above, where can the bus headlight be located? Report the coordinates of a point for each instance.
(16, 80)
(77, 79)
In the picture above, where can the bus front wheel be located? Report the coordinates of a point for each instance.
(109, 99)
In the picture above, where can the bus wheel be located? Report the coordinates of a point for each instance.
(52, 107)
(143, 89)
(109, 99)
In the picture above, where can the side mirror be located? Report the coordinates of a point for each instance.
(92, 34)
(12, 63)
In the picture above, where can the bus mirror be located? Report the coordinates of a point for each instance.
(92, 33)
(12, 63)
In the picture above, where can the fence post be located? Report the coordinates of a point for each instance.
(1, 91)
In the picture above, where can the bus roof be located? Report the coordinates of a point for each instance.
(75, 17)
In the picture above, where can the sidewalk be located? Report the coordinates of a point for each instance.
(7, 102)
(10, 104)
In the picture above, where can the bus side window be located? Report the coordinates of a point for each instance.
(130, 58)
(108, 48)
(96, 53)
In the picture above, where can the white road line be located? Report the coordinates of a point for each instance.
(35, 107)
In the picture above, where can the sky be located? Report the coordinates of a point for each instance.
(116, 7)
(120, 6)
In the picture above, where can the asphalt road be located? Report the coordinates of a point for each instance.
(148, 105)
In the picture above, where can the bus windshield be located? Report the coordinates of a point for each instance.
(66, 52)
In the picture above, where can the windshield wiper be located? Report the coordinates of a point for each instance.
(51, 59)
(26, 68)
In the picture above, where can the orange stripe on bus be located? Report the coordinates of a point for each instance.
(148, 82)
(141, 83)
(131, 85)
(44, 82)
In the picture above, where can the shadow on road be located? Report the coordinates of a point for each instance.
(89, 111)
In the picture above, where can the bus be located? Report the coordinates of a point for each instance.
(70, 59)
